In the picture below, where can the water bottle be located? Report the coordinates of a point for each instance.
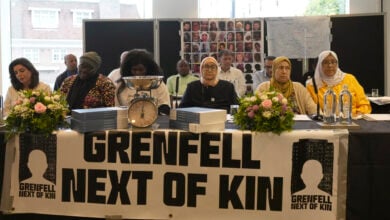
(345, 100)
(330, 103)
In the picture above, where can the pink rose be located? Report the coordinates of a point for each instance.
(32, 99)
(267, 103)
(251, 114)
(255, 108)
(40, 108)
(280, 97)
(249, 108)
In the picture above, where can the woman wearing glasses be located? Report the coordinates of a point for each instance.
(209, 91)
(328, 74)
(294, 92)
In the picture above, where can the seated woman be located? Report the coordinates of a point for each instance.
(327, 74)
(295, 92)
(209, 91)
(89, 89)
(23, 76)
(139, 62)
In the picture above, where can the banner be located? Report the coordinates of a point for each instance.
(170, 174)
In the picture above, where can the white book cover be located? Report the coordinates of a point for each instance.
(198, 115)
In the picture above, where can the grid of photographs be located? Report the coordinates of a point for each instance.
(202, 38)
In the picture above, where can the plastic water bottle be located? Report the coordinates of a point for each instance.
(345, 100)
(330, 104)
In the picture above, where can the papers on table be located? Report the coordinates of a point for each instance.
(301, 118)
(383, 100)
(377, 117)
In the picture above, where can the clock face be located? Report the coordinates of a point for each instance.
(142, 113)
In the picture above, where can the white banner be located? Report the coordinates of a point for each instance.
(169, 174)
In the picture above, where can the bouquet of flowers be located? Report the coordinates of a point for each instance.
(37, 112)
(265, 112)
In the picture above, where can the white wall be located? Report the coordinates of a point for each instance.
(364, 6)
(5, 49)
(175, 9)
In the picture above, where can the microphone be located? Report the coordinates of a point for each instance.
(177, 91)
(318, 116)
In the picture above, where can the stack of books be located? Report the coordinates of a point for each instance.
(197, 119)
(98, 119)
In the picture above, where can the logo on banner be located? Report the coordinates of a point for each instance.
(37, 164)
(312, 175)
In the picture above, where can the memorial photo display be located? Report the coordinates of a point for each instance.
(202, 38)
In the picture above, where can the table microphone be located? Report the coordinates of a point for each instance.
(318, 116)
(177, 91)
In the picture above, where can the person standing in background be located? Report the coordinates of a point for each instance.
(71, 69)
(265, 74)
(177, 84)
(115, 75)
(229, 73)
(23, 76)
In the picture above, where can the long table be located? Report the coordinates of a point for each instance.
(368, 166)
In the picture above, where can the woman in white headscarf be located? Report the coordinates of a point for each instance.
(328, 74)
(209, 91)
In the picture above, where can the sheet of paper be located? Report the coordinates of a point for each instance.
(383, 100)
(377, 117)
(301, 118)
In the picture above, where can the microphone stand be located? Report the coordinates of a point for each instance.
(177, 91)
(318, 116)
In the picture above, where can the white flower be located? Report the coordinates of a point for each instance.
(263, 97)
(253, 98)
(284, 101)
(267, 114)
(275, 99)
(56, 97)
(247, 99)
(47, 98)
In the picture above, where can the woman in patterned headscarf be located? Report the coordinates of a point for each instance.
(209, 91)
(328, 74)
(89, 89)
(295, 92)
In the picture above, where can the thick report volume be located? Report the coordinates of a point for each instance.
(196, 128)
(198, 115)
(99, 113)
(98, 119)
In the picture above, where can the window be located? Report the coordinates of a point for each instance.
(79, 15)
(32, 55)
(58, 55)
(268, 8)
(44, 17)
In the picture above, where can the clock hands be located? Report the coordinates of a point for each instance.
(142, 110)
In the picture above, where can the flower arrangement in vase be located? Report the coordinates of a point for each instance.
(268, 111)
(37, 112)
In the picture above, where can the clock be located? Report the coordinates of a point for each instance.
(142, 112)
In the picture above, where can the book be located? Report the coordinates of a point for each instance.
(98, 125)
(196, 128)
(99, 113)
(198, 115)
